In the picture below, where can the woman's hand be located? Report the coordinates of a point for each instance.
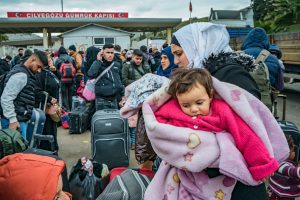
(52, 68)
(123, 101)
(53, 101)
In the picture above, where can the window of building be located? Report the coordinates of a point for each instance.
(98, 40)
(104, 40)
(109, 40)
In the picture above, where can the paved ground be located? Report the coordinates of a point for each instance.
(72, 147)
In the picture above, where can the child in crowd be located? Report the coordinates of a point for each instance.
(285, 184)
(193, 106)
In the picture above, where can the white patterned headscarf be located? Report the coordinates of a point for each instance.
(200, 40)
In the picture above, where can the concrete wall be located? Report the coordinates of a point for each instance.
(84, 37)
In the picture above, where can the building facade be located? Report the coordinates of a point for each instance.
(96, 35)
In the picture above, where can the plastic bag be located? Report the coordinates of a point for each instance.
(86, 182)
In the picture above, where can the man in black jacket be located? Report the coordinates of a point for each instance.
(109, 87)
(5, 65)
(17, 58)
(18, 97)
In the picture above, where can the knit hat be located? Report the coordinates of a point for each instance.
(72, 47)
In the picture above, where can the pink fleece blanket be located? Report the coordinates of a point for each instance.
(186, 152)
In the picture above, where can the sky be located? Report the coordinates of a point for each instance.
(135, 8)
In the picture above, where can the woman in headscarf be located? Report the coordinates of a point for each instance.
(167, 63)
(206, 45)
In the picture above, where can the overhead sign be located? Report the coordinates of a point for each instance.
(67, 14)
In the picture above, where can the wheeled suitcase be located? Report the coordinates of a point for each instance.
(37, 122)
(79, 120)
(288, 127)
(110, 138)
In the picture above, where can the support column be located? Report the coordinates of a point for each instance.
(49, 40)
(45, 38)
(169, 35)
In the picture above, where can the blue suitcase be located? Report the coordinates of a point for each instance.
(37, 121)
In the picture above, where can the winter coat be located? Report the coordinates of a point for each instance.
(233, 68)
(25, 100)
(110, 84)
(254, 43)
(132, 72)
(62, 59)
(4, 67)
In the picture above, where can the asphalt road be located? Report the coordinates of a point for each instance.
(73, 147)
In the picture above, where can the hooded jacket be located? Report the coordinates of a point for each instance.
(29, 177)
(91, 56)
(254, 43)
(62, 58)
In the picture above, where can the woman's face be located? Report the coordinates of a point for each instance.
(180, 58)
(165, 62)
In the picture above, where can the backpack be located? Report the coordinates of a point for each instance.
(129, 185)
(67, 71)
(262, 79)
(11, 141)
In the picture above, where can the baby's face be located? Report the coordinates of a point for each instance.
(195, 102)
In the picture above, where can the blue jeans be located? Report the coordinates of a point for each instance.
(23, 126)
(132, 135)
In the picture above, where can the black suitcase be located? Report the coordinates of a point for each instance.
(288, 127)
(110, 138)
(79, 120)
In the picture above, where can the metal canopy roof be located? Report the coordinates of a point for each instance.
(59, 25)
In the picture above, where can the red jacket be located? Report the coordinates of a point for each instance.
(223, 118)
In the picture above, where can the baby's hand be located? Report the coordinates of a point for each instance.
(266, 179)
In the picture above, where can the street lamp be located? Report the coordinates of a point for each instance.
(62, 5)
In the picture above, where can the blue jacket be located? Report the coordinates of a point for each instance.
(254, 43)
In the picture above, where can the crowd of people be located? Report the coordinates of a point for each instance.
(198, 97)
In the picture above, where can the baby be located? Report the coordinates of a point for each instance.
(193, 106)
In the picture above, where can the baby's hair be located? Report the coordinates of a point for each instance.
(183, 80)
(290, 141)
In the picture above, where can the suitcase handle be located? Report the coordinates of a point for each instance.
(45, 103)
(107, 110)
(283, 107)
(37, 138)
